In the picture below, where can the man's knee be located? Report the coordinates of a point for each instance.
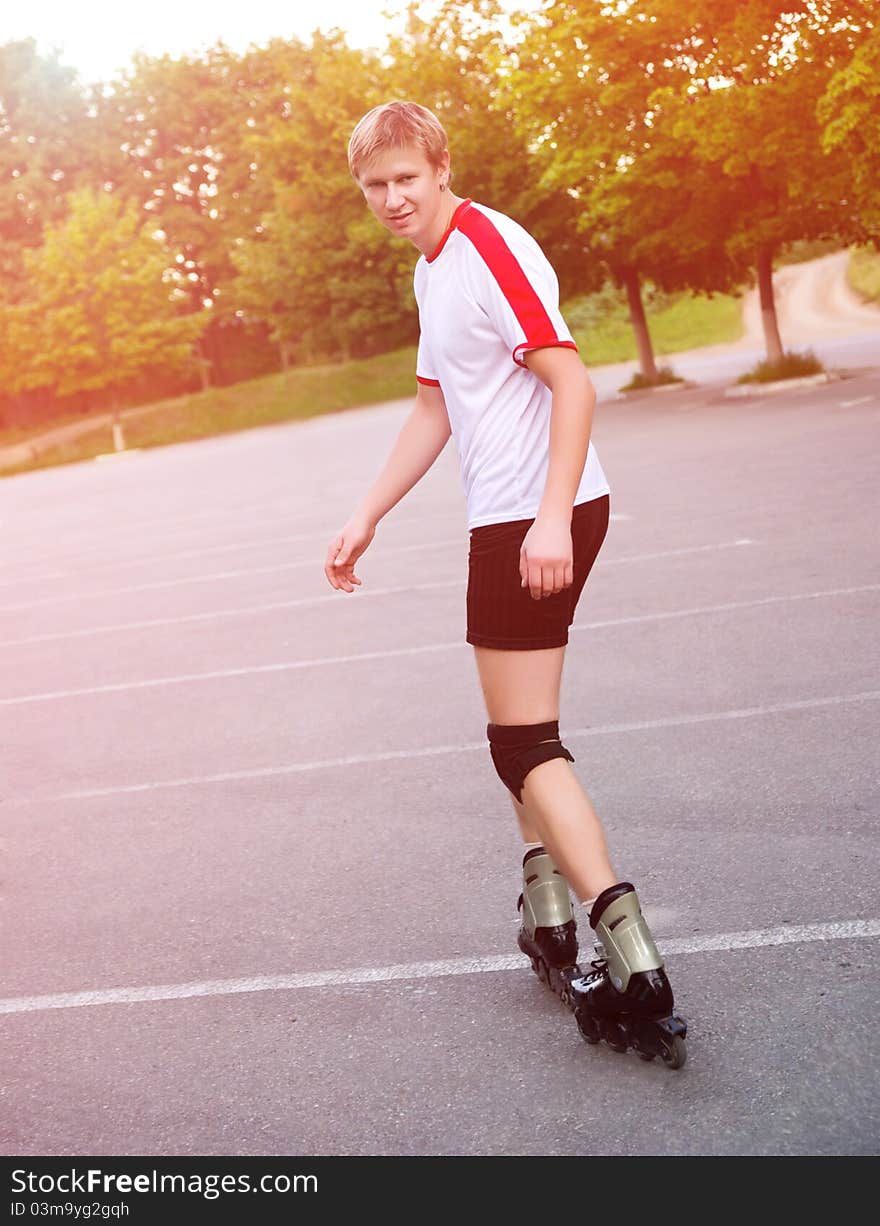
(518, 748)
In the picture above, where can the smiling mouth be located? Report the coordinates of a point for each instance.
(402, 217)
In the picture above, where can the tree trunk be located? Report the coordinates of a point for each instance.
(640, 325)
(286, 350)
(772, 340)
(118, 435)
(204, 364)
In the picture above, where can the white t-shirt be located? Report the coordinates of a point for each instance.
(485, 296)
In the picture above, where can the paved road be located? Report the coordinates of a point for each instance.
(259, 874)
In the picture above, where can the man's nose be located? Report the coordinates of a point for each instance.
(393, 198)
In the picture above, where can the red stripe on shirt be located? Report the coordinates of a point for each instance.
(512, 281)
(453, 225)
(428, 382)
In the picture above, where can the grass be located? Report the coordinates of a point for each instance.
(601, 326)
(863, 273)
(290, 396)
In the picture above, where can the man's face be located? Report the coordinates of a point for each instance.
(402, 189)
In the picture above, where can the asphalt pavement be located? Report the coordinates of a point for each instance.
(260, 876)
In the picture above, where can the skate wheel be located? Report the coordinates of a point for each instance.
(615, 1036)
(673, 1052)
(588, 1028)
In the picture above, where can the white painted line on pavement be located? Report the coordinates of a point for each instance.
(848, 404)
(311, 563)
(845, 930)
(289, 665)
(20, 579)
(315, 564)
(674, 553)
(320, 537)
(214, 615)
(723, 608)
(423, 587)
(183, 678)
(296, 768)
(76, 570)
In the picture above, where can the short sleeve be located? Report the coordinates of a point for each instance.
(514, 283)
(425, 369)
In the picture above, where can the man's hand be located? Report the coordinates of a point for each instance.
(546, 559)
(344, 551)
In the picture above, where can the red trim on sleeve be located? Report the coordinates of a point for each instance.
(428, 382)
(520, 349)
(512, 281)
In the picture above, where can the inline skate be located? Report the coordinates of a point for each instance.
(548, 929)
(626, 999)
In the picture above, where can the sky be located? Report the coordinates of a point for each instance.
(99, 37)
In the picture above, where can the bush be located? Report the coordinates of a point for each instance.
(665, 374)
(790, 366)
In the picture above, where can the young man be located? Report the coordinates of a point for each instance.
(497, 368)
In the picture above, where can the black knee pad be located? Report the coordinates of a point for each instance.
(518, 748)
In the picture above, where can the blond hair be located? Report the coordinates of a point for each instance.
(394, 125)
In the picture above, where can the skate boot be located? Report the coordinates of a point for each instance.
(626, 999)
(547, 934)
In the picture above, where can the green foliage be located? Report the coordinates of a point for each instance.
(790, 366)
(100, 309)
(44, 152)
(176, 140)
(593, 86)
(863, 273)
(318, 269)
(850, 112)
(649, 143)
(806, 249)
(448, 63)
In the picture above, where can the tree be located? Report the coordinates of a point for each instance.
(587, 83)
(850, 112)
(44, 152)
(688, 134)
(103, 307)
(318, 269)
(754, 72)
(174, 136)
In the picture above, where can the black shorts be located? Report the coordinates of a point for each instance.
(501, 612)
